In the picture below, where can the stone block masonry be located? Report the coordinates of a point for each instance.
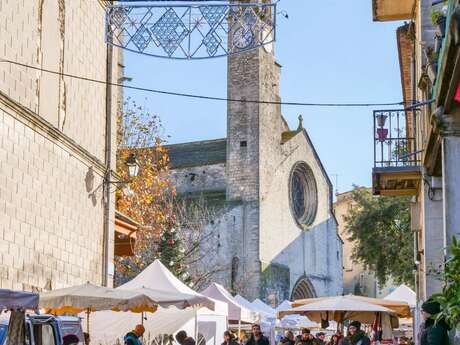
(52, 130)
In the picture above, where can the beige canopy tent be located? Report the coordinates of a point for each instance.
(400, 308)
(340, 308)
(89, 297)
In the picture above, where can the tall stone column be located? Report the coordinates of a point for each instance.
(451, 186)
(433, 239)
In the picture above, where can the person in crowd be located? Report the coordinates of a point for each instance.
(183, 339)
(433, 333)
(298, 339)
(288, 339)
(87, 338)
(242, 338)
(133, 337)
(334, 340)
(356, 336)
(229, 339)
(320, 337)
(306, 338)
(257, 338)
(70, 339)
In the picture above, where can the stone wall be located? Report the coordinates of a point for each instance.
(315, 252)
(203, 179)
(52, 130)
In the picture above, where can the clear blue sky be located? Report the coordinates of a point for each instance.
(330, 50)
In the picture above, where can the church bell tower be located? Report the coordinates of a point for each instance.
(252, 76)
(253, 130)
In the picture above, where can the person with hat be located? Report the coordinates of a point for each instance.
(132, 338)
(433, 333)
(356, 336)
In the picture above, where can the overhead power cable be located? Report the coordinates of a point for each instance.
(195, 96)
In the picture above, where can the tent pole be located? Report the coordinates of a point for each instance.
(239, 329)
(87, 320)
(196, 324)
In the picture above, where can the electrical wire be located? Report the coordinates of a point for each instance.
(196, 96)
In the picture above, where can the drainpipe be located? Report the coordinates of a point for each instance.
(107, 196)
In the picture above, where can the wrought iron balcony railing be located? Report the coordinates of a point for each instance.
(395, 144)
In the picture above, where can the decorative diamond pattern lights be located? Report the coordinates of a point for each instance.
(190, 31)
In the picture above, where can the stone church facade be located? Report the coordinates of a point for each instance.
(54, 144)
(276, 235)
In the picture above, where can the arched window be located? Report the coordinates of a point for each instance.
(303, 194)
(303, 289)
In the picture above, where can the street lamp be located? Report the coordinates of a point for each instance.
(381, 120)
(133, 165)
(133, 171)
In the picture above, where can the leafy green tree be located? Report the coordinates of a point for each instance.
(380, 228)
(449, 298)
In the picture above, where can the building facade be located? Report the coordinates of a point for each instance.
(276, 236)
(357, 280)
(57, 143)
(428, 168)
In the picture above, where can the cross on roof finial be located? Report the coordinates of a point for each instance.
(300, 123)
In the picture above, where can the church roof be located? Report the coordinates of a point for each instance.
(197, 153)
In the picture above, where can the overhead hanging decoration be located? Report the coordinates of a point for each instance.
(190, 29)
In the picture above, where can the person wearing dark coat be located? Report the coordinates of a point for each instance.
(356, 336)
(257, 338)
(433, 333)
(289, 339)
(229, 339)
(183, 339)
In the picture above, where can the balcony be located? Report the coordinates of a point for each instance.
(396, 169)
(388, 10)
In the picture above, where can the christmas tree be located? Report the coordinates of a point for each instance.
(171, 253)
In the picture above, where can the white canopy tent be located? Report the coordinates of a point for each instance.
(236, 311)
(248, 305)
(264, 309)
(293, 321)
(403, 293)
(157, 277)
(208, 320)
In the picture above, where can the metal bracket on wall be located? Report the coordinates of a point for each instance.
(190, 29)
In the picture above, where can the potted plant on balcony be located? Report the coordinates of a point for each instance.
(438, 17)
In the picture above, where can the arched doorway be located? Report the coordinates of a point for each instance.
(303, 289)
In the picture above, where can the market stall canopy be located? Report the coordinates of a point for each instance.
(403, 293)
(285, 305)
(339, 308)
(89, 297)
(236, 311)
(400, 308)
(158, 278)
(248, 305)
(264, 308)
(108, 327)
(18, 300)
(293, 321)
